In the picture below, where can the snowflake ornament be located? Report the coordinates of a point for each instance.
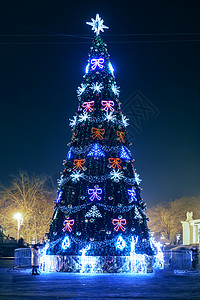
(76, 175)
(110, 117)
(93, 213)
(81, 89)
(83, 117)
(96, 87)
(137, 178)
(115, 89)
(73, 121)
(116, 175)
(137, 214)
(125, 120)
(97, 24)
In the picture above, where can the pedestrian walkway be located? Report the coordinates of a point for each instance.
(21, 285)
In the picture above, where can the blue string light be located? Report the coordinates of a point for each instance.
(66, 243)
(69, 154)
(120, 243)
(96, 151)
(132, 195)
(124, 154)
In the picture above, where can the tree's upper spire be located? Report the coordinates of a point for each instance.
(97, 24)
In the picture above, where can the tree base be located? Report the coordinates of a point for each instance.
(136, 263)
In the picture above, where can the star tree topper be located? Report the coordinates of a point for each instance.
(97, 25)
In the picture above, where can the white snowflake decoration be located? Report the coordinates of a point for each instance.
(116, 175)
(93, 212)
(137, 178)
(73, 121)
(109, 116)
(83, 117)
(76, 175)
(81, 89)
(115, 89)
(97, 25)
(137, 214)
(125, 120)
(59, 181)
(96, 87)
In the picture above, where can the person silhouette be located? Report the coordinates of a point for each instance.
(35, 259)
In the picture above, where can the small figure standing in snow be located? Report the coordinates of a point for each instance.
(35, 259)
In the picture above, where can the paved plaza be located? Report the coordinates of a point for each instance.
(20, 284)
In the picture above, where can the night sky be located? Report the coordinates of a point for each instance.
(154, 51)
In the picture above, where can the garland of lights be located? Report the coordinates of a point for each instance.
(93, 243)
(78, 150)
(96, 179)
(98, 120)
(115, 209)
(71, 210)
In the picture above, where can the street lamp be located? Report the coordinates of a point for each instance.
(19, 218)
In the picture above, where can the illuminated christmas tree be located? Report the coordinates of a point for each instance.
(99, 209)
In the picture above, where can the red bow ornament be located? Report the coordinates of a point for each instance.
(97, 133)
(115, 163)
(78, 164)
(118, 223)
(88, 106)
(68, 225)
(121, 136)
(108, 105)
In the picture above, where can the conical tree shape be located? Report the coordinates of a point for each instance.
(99, 177)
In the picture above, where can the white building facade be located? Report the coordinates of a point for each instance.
(191, 230)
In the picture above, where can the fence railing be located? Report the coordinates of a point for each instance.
(22, 258)
(177, 260)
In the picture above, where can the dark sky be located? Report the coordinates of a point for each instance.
(39, 76)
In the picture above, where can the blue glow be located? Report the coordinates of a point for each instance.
(87, 263)
(96, 151)
(59, 197)
(84, 250)
(124, 153)
(111, 68)
(134, 240)
(132, 195)
(159, 256)
(87, 68)
(44, 258)
(66, 243)
(138, 261)
(120, 244)
(69, 154)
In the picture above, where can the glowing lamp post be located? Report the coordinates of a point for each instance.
(19, 218)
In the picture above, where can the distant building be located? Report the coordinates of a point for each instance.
(191, 230)
(7, 244)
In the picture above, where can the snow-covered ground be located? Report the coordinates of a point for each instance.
(20, 284)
